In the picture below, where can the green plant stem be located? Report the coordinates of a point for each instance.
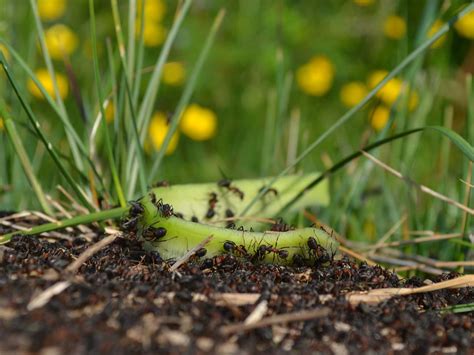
(71, 222)
(25, 162)
(110, 158)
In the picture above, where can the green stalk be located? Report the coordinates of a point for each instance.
(49, 147)
(50, 67)
(187, 93)
(25, 162)
(349, 114)
(70, 222)
(148, 103)
(113, 169)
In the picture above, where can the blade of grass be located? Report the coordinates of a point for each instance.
(49, 147)
(148, 103)
(187, 93)
(52, 74)
(25, 162)
(110, 158)
(64, 119)
(349, 114)
(131, 108)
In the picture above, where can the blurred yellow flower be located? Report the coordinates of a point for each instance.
(364, 2)
(109, 112)
(47, 82)
(173, 73)
(316, 77)
(379, 118)
(157, 132)
(435, 28)
(198, 123)
(154, 9)
(1, 124)
(465, 25)
(395, 27)
(51, 9)
(390, 92)
(352, 93)
(154, 33)
(5, 52)
(60, 40)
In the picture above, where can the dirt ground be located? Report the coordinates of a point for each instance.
(124, 300)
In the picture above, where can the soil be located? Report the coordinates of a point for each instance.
(124, 300)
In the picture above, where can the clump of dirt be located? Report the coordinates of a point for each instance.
(125, 300)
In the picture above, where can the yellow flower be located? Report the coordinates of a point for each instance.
(199, 123)
(363, 2)
(157, 132)
(47, 82)
(352, 93)
(433, 29)
(173, 73)
(154, 10)
(465, 25)
(5, 51)
(316, 77)
(390, 92)
(60, 40)
(1, 124)
(109, 112)
(395, 27)
(154, 33)
(51, 9)
(379, 118)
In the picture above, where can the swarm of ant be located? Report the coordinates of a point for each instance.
(315, 254)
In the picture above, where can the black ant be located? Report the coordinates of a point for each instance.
(162, 183)
(212, 205)
(280, 226)
(166, 210)
(230, 225)
(320, 254)
(231, 247)
(194, 219)
(201, 252)
(134, 214)
(152, 233)
(226, 183)
(271, 189)
(229, 213)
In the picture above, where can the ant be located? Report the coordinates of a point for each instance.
(212, 205)
(320, 254)
(135, 212)
(226, 183)
(264, 249)
(270, 189)
(163, 183)
(194, 219)
(152, 233)
(201, 252)
(280, 226)
(229, 213)
(230, 225)
(166, 210)
(231, 247)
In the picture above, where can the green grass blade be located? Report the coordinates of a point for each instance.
(61, 114)
(148, 103)
(456, 139)
(49, 147)
(349, 114)
(110, 158)
(459, 308)
(50, 67)
(187, 93)
(131, 108)
(70, 222)
(24, 160)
